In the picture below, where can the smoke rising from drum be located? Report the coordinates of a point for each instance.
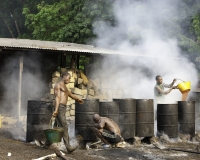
(141, 30)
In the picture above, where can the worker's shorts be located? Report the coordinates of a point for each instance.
(111, 137)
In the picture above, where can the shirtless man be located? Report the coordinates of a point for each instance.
(61, 93)
(107, 130)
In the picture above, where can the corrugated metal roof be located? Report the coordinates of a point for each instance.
(50, 45)
(7, 43)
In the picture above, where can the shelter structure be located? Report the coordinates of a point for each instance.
(19, 57)
(24, 61)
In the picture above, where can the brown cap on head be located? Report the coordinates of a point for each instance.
(96, 118)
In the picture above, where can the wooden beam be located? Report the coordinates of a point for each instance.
(21, 59)
(78, 57)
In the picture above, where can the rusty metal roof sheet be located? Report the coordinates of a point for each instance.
(50, 45)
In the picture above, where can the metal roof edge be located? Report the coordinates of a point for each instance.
(66, 46)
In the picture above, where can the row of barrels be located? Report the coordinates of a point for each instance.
(134, 117)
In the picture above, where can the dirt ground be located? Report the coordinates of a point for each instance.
(28, 151)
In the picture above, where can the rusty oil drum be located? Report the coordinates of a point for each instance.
(186, 117)
(127, 117)
(39, 114)
(167, 119)
(84, 118)
(144, 118)
(110, 110)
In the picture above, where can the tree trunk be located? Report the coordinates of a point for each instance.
(9, 29)
(16, 24)
(17, 27)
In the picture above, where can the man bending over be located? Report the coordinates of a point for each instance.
(107, 130)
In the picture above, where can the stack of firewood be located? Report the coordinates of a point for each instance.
(83, 88)
(78, 86)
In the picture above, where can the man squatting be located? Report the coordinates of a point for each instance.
(108, 131)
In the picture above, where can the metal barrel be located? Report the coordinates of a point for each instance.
(39, 114)
(84, 118)
(186, 117)
(167, 119)
(110, 110)
(144, 118)
(127, 117)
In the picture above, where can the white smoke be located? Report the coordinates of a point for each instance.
(141, 31)
(33, 85)
(33, 88)
(9, 85)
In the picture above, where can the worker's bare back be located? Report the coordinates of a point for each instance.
(110, 125)
(62, 92)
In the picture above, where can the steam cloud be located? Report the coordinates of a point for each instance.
(33, 85)
(152, 52)
(142, 31)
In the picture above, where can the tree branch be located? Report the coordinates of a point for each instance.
(16, 25)
(9, 29)
(15, 20)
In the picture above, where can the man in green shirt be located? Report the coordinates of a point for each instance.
(159, 91)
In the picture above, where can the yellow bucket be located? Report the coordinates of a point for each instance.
(184, 86)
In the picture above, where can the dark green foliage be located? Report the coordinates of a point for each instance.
(69, 21)
(11, 21)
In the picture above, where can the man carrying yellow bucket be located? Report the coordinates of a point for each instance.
(159, 91)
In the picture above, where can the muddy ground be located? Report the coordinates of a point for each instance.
(28, 151)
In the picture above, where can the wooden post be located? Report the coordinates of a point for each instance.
(20, 85)
(63, 60)
(78, 57)
(60, 62)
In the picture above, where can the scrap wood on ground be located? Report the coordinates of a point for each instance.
(157, 145)
(56, 154)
